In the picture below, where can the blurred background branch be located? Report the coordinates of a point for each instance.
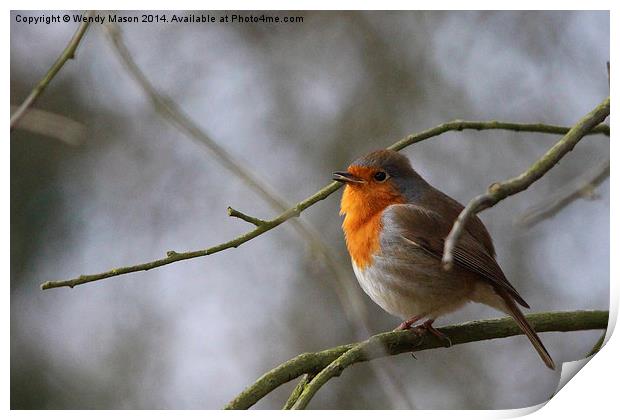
(326, 364)
(67, 54)
(584, 188)
(53, 125)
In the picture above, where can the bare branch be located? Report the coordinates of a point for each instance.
(458, 125)
(253, 220)
(322, 194)
(499, 191)
(584, 188)
(396, 342)
(67, 54)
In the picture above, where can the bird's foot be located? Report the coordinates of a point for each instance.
(424, 328)
(428, 326)
(406, 325)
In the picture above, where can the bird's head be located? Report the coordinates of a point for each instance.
(376, 181)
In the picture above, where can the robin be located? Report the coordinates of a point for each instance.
(395, 225)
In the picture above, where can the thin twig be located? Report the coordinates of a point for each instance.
(67, 54)
(499, 191)
(584, 188)
(250, 219)
(322, 194)
(459, 125)
(396, 342)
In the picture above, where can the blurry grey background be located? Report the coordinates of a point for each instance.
(294, 102)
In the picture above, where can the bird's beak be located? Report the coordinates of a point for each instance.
(347, 178)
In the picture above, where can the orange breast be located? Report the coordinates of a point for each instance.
(362, 239)
(363, 206)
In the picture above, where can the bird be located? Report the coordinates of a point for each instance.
(395, 225)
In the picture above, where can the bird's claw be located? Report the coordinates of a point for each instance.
(429, 327)
(424, 328)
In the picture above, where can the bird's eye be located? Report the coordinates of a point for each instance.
(380, 176)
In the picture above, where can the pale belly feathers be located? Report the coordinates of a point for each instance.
(412, 292)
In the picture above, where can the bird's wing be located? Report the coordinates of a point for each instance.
(426, 229)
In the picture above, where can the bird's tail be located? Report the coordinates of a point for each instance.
(513, 310)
